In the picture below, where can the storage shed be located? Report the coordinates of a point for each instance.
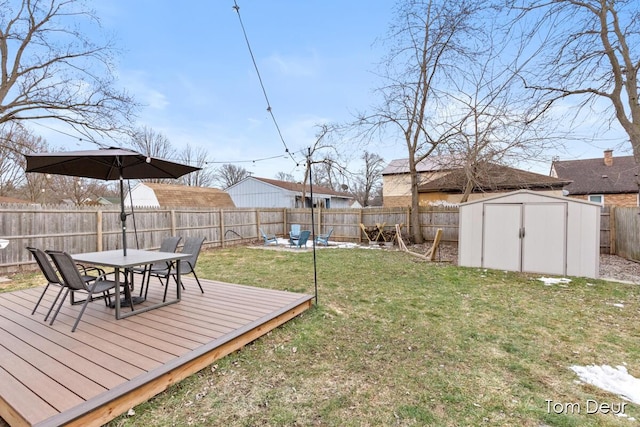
(531, 232)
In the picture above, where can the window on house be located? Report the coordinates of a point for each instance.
(597, 198)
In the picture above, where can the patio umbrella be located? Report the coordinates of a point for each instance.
(107, 164)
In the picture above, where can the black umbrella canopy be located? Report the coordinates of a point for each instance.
(107, 164)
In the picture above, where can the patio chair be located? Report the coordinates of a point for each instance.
(323, 239)
(192, 246)
(168, 244)
(50, 274)
(268, 238)
(73, 282)
(295, 231)
(301, 240)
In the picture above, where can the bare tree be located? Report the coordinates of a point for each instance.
(153, 144)
(287, 177)
(12, 162)
(430, 48)
(498, 121)
(368, 181)
(323, 154)
(591, 51)
(50, 69)
(198, 157)
(229, 174)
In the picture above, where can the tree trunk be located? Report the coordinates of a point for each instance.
(416, 224)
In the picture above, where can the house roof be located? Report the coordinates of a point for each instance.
(430, 164)
(12, 200)
(298, 187)
(493, 178)
(593, 176)
(187, 196)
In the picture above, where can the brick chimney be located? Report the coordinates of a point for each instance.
(608, 157)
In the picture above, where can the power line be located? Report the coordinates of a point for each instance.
(264, 91)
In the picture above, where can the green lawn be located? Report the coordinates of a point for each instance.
(397, 341)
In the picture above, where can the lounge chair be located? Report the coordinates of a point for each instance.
(295, 231)
(323, 239)
(268, 238)
(301, 240)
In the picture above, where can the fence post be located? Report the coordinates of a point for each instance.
(612, 231)
(222, 228)
(258, 223)
(99, 230)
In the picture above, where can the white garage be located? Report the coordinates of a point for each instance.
(531, 232)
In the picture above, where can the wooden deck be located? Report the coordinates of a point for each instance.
(51, 377)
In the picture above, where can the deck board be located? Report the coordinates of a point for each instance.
(50, 376)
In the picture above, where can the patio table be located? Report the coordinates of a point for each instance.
(135, 257)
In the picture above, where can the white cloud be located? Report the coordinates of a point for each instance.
(138, 83)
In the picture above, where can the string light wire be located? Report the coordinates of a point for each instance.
(264, 91)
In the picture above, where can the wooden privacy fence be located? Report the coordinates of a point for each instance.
(87, 229)
(625, 232)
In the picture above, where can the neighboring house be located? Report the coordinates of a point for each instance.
(608, 181)
(396, 179)
(13, 201)
(442, 181)
(172, 195)
(254, 192)
(493, 180)
(108, 200)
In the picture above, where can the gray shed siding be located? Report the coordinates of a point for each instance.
(252, 193)
(561, 235)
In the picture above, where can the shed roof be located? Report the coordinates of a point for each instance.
(593, 176)
(188, 196)
(538, 195)
(493, 177)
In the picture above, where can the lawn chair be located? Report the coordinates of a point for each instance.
(50, 274)
(301, 240)
(323, 239)
(168, 244)
(295, 231)
(192, 246)
(73, 282)
(269, 238)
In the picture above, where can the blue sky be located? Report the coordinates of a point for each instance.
(189, 65)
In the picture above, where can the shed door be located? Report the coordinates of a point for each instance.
(501, 248)
(544, 240)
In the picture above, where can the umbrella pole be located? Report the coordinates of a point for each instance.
(123, 217)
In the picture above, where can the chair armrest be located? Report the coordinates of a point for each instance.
(85, 270)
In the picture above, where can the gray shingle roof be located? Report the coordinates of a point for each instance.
(430, 164)
(494, 177)
(592, 176)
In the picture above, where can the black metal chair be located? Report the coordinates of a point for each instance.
(73, 282)
(192, 246)
(168, 244)
(50, 274)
